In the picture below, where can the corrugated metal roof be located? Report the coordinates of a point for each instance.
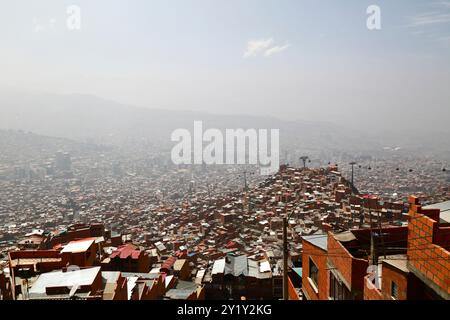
(236, 265)
(445, 210)
(200, 275)
(68, 279)
(78, 246)
(168, 264)
(320, 241)
(125, 251)
(264, 266)
(254, 269)
(218, 266)
(179, 294)
(346, 236)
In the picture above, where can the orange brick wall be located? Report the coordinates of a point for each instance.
(320, 259)
(121, 292)
(291, 291)
(370, 291)
(2, 283)
(352, 269)
(359, 271)
(392, 275)
(442, 237)
(340, 258)
(29, 254)
(427, 257)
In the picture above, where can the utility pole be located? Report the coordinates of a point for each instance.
(381, 233)
(373, 255)
(372, 240)
(245, 181)
(285, 261)
(249, 203)
(373, 251)
(352, 164)
(209, 193)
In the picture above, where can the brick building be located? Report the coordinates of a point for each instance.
(78, 231)
(79, 284)
(335, 266)
(424, 272)
(429, 245)
(395, 282)
(127, 258)
(395, 263)
(237, 276)
(181, 269)
(114, 285)
(82, 253)
(314, 265)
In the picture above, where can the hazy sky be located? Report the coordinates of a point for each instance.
(312, 60)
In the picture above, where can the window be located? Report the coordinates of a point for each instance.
(394, 290)
(313, 272)
(338, 291)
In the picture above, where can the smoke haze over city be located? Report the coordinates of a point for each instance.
(240, 153)
(293, 60)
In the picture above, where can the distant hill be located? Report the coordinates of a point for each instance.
(89, 118)
(16, 146)
(84, 117)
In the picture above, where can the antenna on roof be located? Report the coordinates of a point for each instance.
(304, 159)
